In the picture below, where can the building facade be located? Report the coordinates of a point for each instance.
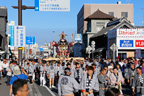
(101, 38)
(3, 37)
(129, 42)
(117, 10)
(93, 17)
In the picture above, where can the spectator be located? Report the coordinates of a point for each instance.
(5, 65)
(0, 69)
(20, 88)
(116, 79)
(112, 92)
(67, 84)
(9, 73)
(17, 75)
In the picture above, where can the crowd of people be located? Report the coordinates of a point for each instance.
(88, 77)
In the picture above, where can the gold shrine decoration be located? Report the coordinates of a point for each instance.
(57, 59)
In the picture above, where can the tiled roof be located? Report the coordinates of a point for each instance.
(99, 15)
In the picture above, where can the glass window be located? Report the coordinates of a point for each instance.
(99, 25)
(124, 14)
(111, 13)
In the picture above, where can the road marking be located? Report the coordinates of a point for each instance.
(52, 94)
(37, 90)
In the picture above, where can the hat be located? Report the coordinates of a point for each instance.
(16, 70)
(132, 63)
(67, 70)
(110, 67)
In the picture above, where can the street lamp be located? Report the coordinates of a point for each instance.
(88, 50)
(93, 48)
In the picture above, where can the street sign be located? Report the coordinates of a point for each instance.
(30, 40)
(52, 5)
(41, 49)
(19, 36)
(113, 47)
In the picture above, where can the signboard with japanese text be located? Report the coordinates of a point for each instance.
(126, 43)
(11, 29)
(130, 38)
(12, 35)
(20, 38)
(130, 33)
(52, 5)
(139, 43)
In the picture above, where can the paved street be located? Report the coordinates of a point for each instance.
(44, 91)
(35, 90)
(4, 89)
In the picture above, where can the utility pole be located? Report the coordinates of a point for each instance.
(21, 7)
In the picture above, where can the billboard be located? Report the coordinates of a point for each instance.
(130, 38)
(126, 43)
(52, 5)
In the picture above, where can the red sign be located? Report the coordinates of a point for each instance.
(139, 43)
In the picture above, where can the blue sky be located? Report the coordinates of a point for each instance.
(41, 24)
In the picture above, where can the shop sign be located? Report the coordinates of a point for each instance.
(139, 43)
(126, 43)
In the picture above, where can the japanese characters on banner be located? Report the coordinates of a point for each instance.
(19, 36)
(130, 38)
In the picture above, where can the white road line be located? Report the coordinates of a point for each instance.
(52, 94)
(37, 90)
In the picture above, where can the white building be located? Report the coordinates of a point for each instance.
(130, 42)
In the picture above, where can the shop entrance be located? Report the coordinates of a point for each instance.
(122, 56)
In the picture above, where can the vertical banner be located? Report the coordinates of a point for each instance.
(20, 38)
(138, 53)
(12, 35)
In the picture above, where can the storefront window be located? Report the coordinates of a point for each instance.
(122, 56)
(142, 54)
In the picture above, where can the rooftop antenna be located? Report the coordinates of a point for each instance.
(128, 1)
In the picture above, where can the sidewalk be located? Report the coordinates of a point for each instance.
(4, 89)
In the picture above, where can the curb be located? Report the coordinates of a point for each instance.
(30, 89)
